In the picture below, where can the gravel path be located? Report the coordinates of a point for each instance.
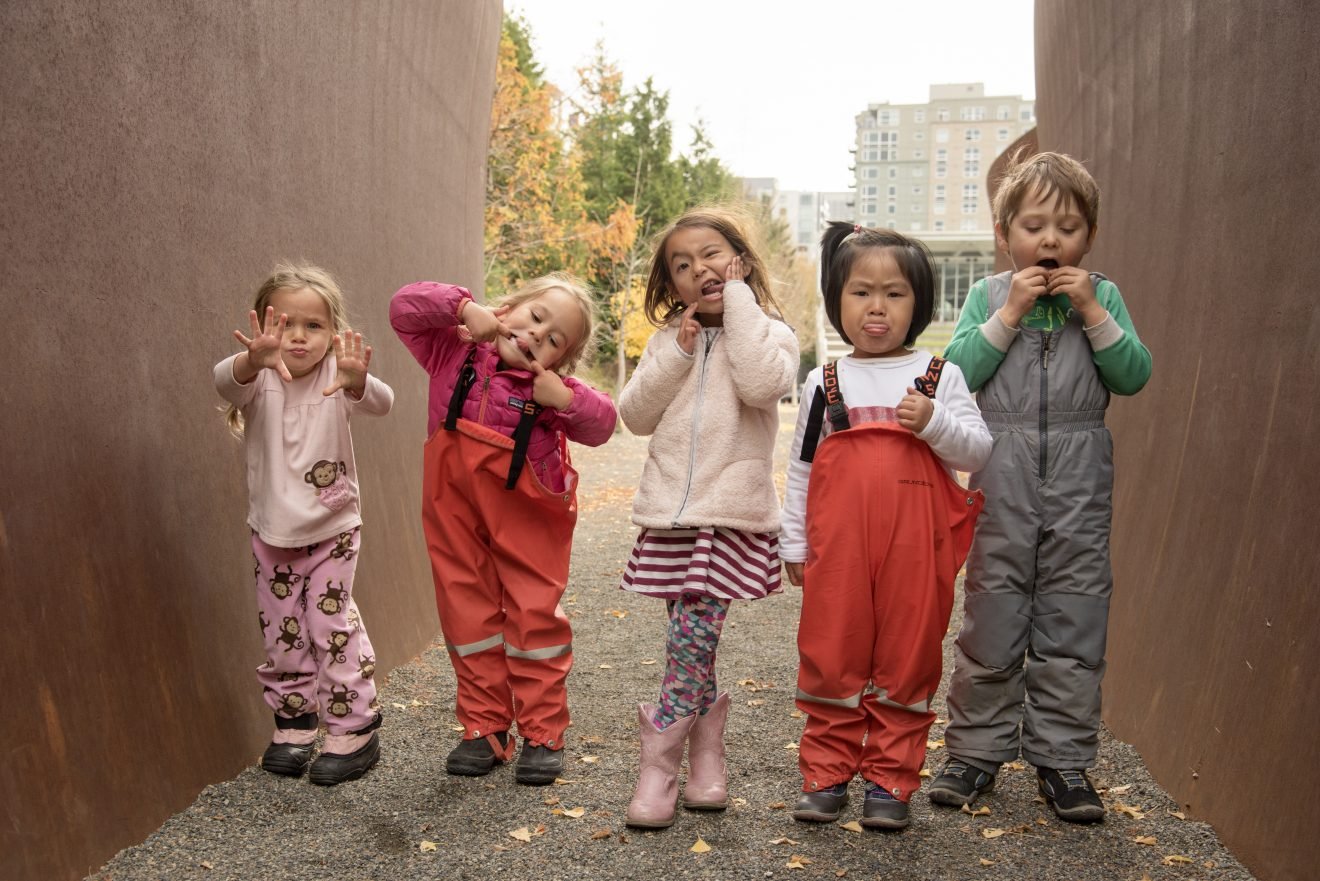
(407, 819)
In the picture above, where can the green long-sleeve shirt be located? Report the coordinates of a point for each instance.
(1122, 360)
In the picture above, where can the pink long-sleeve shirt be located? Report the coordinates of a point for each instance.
(425, 316)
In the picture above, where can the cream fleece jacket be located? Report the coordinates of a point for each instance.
(713, 417)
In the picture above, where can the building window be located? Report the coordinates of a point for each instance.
(917, 191)
(969, 206)
(916, 209)
(919, 171)
(942, 135)
(942, 154)
(871, 138)
(939, 191)
(972, 134)
(918, 154)
(868, 208)
(914, 225)
(969, 191)
(939, 226)
(939, 206)
(941, 169)
(893, 191)
(1001, 134)
(887, 117)
(971, 162)
(893, 172)
(918, 115)
(971, 113)
(871, 172)
(870, 155)
(918, 136)
(893, 209)
(967, 224)
(870, 190)
(942, 114)
(1003, 112)
(1026, 114)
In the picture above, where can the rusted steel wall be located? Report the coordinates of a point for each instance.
(160, 156)
(1201, 122)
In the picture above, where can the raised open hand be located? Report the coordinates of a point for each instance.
(264, 347)
(735, 270)
(352, 358)
(688, 329)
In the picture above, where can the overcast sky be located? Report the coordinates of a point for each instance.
(778, 90)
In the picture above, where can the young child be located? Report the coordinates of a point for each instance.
(499, 502)
(291, 398)
(1044, 345)
(875, 527)
(707, 390)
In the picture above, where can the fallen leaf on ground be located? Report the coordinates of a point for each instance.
(756, 702)
(521, 834)
(399, 706)
(739, 802)
(991, 833)
(605, 667)
(648, 662)
(552, 800)
(1175, 859)
(456, 728)
(851, 826)
(924, 772)
(1145, 839)
(790, 745)
(1209, 864)
(427, 847)
(783, 841)
(590, 760)
(617, 613)
(934, 744)
(1128, 811)
(206, 865)
(601, 833)
(560, 781)
(1179, 814)
(1041, 821)
(700, 846)
(797, 861)
(1015, 766)
(776, 806)
(982, 811)
(591, 738)
(574, 813)
(840, 873)
(1119, 790)
(796, 714)
(941, 721)
(986, 862)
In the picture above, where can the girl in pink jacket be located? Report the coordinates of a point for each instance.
(499, 502)
(707, 390)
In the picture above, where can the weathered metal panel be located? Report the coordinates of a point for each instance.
(1201, 122)
(159, 158)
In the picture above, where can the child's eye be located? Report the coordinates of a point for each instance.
(681, 267)
(554, 341)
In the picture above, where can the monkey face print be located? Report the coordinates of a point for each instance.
(327, 479)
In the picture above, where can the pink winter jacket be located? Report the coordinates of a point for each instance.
(425, 316)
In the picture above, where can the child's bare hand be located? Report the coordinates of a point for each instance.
(485, 324)
(352, 358)
(548, 389)
(1027, 285)
(1076, 283)
(688, 329)
(915, 410)
(794, 573)
(265, 346)
(735, 270)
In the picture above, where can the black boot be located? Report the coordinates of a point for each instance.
(290, 759)
(475, 758)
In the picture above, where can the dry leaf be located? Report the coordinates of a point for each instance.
(427, 847)
(552, 800)
(991, 833)
(1128, 810)
(986, 862)
(574, 813)
(399, 706)
(1179, 814)
(934, 744)
(797, 861)
(756, 702)
(1145, 839)
(941, 721)
(1209, 864)
(1041, 821)
(601, 833)
(776, 806)
(1015, 766)
(796, 714)
(1119, 790)
(851, 826)
(617, 613)
(1174, 859)
(924, 772)
(648, 662)
(522, 834)
(560, 781)
(605, 667)
(207, 865)
(456, 728)
(590, 760)
(783, 841)
(982, 811)
(840, 873)
(790, 745)
(700, 846)
(739, 802)
(591, 738)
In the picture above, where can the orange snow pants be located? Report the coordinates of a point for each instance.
(887, 531)
(500, 562)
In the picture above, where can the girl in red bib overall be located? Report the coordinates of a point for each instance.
(499, 502)
(875, 527)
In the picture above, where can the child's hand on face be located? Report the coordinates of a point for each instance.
(548, 389)
(688, 329)
(484, 324)
(1076, 283)
(915, 410)
(735, 270)
(1027, 285)
(794, 573)
(352, 359)
(264, 347)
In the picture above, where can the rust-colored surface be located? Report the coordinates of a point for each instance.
(1023, 147)
(1201, 123)
(160, 156)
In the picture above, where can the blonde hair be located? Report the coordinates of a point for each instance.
(585, 346)
(294, 277)
(1054, 174)
(662, 304)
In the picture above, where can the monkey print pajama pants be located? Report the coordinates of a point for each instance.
(318, 656)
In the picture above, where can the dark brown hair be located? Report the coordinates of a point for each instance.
(839, 249)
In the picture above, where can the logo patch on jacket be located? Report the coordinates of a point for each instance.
(516, 403)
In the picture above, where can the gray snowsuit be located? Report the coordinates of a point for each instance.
(1038, 577)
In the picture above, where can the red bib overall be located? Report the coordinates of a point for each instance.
(500, 561)
(887, 531)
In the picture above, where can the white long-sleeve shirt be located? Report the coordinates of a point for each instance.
(956, 432)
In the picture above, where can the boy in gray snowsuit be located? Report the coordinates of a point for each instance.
(1043, 346)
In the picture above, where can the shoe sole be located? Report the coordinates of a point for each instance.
(887, 823)
(459, 769)
(953, 799)
(649, 824)
(806, 816)
(1079, 814)
(286, 769)
(706, 805)
(529, 778)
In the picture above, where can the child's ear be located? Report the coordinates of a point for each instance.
(1090, 239)
(1001, 239)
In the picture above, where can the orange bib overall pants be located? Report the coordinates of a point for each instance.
(500, 559)
(887, 531)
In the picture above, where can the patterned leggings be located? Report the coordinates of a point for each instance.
(695, 622)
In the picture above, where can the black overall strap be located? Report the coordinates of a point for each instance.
(931, 381)
(827, 398)
(466, 376)
(521, 435)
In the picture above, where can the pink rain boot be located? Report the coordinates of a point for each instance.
(652, 805)
(707, 786)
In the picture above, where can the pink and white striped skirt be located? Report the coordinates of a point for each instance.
(728, 564)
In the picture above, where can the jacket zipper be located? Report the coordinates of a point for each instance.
(1044, 399)
(481, 409)
(707, 343)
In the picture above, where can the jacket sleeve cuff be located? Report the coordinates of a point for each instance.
(997, 333)
(1104, 334)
